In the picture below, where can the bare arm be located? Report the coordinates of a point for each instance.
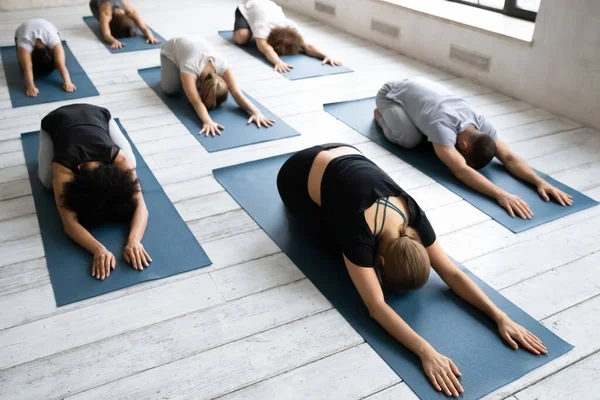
(312, 51)
(59, 59)
(257, 117)
(104, 260)
(272, 56)
(188, 82)
(470, 177)
(464, 287)
(135, 16)
(519, 168)
(24, 57)
(441, 370)
(104, 19)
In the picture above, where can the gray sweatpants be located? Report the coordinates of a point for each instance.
(46, 152)
(170, 79)
(397, 127)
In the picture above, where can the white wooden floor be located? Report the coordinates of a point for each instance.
(251, 326)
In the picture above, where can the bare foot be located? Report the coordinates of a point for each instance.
(376, 114)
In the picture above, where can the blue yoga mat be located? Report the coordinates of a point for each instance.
(452, 326)
(358, 114)
(171, 245)
(135, 43)
(50, 86)
(237, 132)
(304, 66)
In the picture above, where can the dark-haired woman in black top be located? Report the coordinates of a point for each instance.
(387, 242)
(89, 163)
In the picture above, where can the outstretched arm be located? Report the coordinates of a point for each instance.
(104, 260)
(272, 56)
(470, 177)
(464, 287)
(104, 19)
(135, 16)
(439, 369)
(312, 51)
(188, 81)
(519, 168)
(256, 116)
(24, 57)
(59, 59)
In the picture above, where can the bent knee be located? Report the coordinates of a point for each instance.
(241, 36)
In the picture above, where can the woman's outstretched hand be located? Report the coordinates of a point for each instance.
(442, 373)
(104, 262)
(211, 128)
(136, 255)
(260, 120)
(514, 333)
(331, 61)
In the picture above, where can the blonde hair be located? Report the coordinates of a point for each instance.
(213, 90)
(406, 262)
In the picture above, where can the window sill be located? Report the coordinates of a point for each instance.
(472, 17)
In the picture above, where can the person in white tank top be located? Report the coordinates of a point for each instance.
(274, 33)
(40, 51)
(193, 64)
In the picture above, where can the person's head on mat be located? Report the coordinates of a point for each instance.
(476, 147)
(121, 25)
(42, 61)
(286, 41)
(213, 90)
(403, 261)
(101, 193)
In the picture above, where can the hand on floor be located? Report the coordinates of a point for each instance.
(104, 262)
(442, 373)
(514, 205)
(69, 87)
(152, 40)
(116, 44)
(32, 91)
(260, 120)
(136, 255)
(546, 190)
(283, 67)
(513, 333)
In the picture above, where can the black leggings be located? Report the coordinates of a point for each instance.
(240, 21)
(292, 184)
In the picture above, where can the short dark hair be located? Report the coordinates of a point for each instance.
(103, 194)
(42, 61)
(483, 150)
(285, 41)
(122, 26)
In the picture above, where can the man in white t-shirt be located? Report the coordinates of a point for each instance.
(275, 34)
(40, 51)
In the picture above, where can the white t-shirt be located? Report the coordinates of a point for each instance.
(263, 16)
(191, 54)
(33, 29)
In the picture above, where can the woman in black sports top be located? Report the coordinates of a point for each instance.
(386, 241)
(89, 163)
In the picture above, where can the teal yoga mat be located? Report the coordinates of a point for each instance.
(168, 240)
(304, 66)
(135, 43)
(358, 114)
(50, 87)
(452, 326)
(237, 131)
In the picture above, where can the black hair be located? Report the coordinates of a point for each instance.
(122, 26)
(103, 194)
(483, 150)
(42, 61)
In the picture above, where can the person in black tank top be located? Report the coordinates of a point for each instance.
(118, 19)
(387, 244)
(94, 180)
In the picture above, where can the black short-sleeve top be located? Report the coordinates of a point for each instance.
(350, 185)
(80, 133)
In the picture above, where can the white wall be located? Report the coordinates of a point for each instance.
(559, 71)
(11, 5)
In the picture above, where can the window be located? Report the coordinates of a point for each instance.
(523, 9)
